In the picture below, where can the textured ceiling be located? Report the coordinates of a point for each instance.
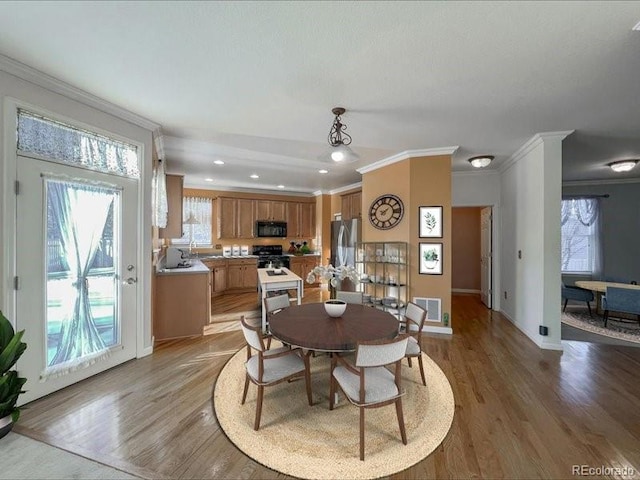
(253, 83)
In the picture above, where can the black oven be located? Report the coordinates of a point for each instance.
(274, 262)
(271, 229)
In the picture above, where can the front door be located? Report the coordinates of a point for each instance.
(76, 273)
(486, 258)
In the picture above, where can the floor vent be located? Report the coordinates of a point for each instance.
(432, 306)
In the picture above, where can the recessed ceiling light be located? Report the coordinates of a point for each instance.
(323, 171)
(280, 186)
(636, 27)
(208, 179)
(481, 161)
(623, 166)
(253, 175)
(218, 162)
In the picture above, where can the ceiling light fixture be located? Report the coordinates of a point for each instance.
(280, 186)
(323, 171)
(481, 161)
(622, 166)
(253, 175)
(218, 162)
(208, 179)
(339, 139)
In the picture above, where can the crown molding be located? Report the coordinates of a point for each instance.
(231, 188)
(31, 75)
(345, 188)
(532, 143)
(612, 181)
(476, 173)
(398, 157)
(318, 193)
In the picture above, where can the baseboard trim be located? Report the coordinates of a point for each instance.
(145, 352)
(465, 290)
(443, 330)
(542, 343)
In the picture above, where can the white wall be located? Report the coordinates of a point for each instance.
(482, 189)
(530, 257)
(40, 93)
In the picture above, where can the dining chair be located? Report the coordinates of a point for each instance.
(412, 325)
(270, 367)
(622, 300)
(350, 297)
(368, 383)
(273, 305)
(575, 293)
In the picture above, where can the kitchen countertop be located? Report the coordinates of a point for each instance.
(197, 267)
(264, 278)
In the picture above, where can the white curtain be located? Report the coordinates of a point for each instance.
(159, 205)
(201, 209)
(81, 212)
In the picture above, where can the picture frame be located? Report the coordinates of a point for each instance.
(431, 260)
(430, 222)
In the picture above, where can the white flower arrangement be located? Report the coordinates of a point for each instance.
(333, 274)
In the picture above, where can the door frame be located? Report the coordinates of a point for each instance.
(144, 339)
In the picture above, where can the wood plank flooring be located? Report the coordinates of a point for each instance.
(520, 412)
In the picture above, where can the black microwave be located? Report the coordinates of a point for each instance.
(271, 229)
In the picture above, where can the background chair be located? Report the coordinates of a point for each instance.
(622, 300)
(273, 305)
(369, 384)
(270, 367)
(350, 297)
(412, 324)
(576, 293)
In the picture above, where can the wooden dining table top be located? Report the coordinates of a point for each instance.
(599, 286)
(309, 326)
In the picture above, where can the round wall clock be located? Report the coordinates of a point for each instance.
(386, 211)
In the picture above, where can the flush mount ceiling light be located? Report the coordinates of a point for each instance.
(623, 165)
(339, 139)
(481, 161)
(254, 176)
(218, 162)
(323, 171)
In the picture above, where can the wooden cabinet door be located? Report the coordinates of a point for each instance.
(263, 210)
(356, 205)
(293, 219)
(227, 217)
(174, 203)
(297, 267)
(235, 276)
(246, 218)
(307, 220)
(250, 276)
(278, 213)
(219, 279)
(345, 208)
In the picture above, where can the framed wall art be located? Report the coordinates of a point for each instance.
(430, 222)
(431, 258)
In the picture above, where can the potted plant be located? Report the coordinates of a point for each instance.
(11, 347)
(431, 258)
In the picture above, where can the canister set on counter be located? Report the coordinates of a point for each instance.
(235, 250)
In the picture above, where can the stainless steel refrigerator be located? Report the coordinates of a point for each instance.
(345, 235)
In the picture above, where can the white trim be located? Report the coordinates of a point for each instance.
(52, 84)
(231, 188)
(475, 173)
(443, 330)
(398, 157)
(546, 345)
(532, 143)
(464, 290)
(345, 188)
(586, 183)
(318, 193)
(540, 341)
(146, 351)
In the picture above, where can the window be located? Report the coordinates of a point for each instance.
(579, 235)
(196, 218)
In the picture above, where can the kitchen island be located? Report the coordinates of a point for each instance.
(269, 281)
(182, 301)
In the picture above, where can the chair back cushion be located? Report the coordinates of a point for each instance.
(277, 302)
(350, 297)
(417, 315)
(623, 300)
(378, 354)
(252, 336)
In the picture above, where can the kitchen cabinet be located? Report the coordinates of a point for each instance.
(218, 269)
(303, 265)
(301, 220)
(235, 217)
(270, 210)
(242, 274)
(351, 205)
(174, 204)
(183, 305)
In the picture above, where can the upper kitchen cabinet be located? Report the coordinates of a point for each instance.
(236, 217)
(351, 205)
(301, 220)
(174, 203)
(270, 210)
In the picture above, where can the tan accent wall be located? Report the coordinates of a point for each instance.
(420, 181)
(324, 216)
(465, 245)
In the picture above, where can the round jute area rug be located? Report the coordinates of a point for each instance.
(317, 443)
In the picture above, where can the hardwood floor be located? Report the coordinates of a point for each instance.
(520, 412)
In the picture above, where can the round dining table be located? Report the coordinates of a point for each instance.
(309, 326)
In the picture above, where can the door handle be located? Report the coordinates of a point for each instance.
(130, 281)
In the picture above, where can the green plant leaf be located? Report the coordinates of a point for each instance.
(10, 354)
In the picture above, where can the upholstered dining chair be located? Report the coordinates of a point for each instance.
(273, 305)
(350, 297)
(576, 293)
(270, 367)
(368, 383)
(413, 324)
(622, 300)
